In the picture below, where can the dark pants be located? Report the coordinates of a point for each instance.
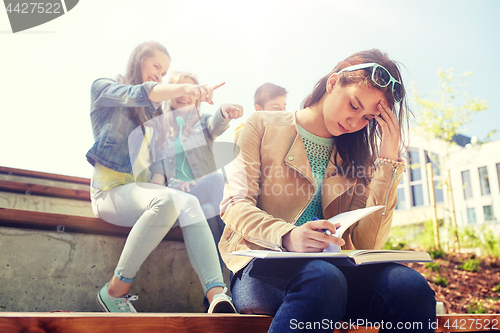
(315, 295)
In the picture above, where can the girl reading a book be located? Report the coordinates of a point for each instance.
(340, 152)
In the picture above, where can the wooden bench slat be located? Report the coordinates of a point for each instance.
(50, 191)
(71, 223)
(133, 323)
(468, 322)
(184, 322)
(44, 175)
(144, 322)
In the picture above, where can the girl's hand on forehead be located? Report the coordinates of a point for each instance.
(389, 128)
(204, 92)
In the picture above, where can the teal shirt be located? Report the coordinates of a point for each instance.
(318, 152)
(183, 171)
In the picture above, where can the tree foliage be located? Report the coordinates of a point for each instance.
(444, 115)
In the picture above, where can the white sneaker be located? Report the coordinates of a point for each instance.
(222, 303)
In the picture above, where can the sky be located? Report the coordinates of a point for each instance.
(46, 71)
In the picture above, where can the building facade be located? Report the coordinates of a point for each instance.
(475, 181)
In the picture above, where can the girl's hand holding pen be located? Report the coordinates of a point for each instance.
(310, 237)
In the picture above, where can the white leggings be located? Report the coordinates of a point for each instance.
(152, 210)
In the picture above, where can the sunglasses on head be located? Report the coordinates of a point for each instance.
(381, 77)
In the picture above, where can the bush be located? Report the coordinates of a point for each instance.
(395, 246)
(408, 237)
(426, 237)
(476, 307)
(496, 288)
(480, 237)
(433, 266)
(437, 254)
(440, 281)
(471, 265)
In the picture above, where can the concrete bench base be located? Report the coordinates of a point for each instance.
(46, 271)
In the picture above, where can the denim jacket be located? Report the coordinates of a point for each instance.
(111, 104)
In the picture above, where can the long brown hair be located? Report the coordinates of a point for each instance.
(133, 74)
(177, 78)
(359, 150)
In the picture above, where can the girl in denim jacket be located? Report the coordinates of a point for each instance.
(128, 186)
(340, 152)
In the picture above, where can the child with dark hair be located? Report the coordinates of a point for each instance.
(268, 97)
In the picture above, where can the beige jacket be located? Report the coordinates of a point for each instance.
(270, 184)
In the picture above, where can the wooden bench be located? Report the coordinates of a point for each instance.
(69, 223)
(11, 322)
(44, 175)
(60, 222)
(43, 190)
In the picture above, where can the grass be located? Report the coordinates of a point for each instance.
(437, 254)
(471, 265)
(476, 307)
(440, 281)
(433, 266)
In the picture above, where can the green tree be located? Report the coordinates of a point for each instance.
(443, 116)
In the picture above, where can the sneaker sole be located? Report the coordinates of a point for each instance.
(223, 307)
(101, 303)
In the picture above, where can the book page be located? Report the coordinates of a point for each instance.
(346, 220)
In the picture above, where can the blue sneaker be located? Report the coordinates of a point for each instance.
(118, 304)
(221, 303)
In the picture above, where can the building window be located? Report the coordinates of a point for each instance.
(438, 192)
(498, 174)
(436, 175)
(488, 213)
(401, 199)
(471, 215)
(484, 181)
(417, 197)
(434, 160)
(417, 194)
(466, 184)
(414, 160)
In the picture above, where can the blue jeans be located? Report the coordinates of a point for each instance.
(315, 295)
(209, 192)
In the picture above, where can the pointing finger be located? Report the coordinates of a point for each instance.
(215, 86)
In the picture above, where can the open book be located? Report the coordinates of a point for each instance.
(346, 257)
(346, 220)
